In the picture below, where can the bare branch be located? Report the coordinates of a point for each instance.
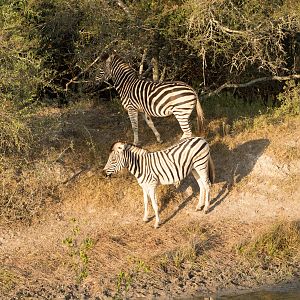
(73, 80)
(163, 74)
(82, 72)
(249, 83)
(226, 29)
(122, 5)
(109, 87)
(155, 70)
(141, 69)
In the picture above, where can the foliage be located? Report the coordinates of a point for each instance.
(78, 249)
(21, 69)
(290, 99)
(238, 37)
(205, 43)
(15, 134)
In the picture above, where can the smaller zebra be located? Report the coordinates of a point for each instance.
(168, 166)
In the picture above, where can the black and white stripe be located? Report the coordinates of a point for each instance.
(157, 99)
(191, 155)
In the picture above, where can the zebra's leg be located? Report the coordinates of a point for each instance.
(134, 119)
(152, 195)
(201, 201)
(145, 219)
(151, 125)
(206, 184)
(184, 123)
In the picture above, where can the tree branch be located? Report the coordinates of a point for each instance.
(109, 87)
(226, 29)
(155, 70)
(228, 85)
(141, 69)
(163, 74)
(122, 5)
(73, 80)
(82, 72)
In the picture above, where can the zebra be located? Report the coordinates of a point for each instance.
(191, 155)
(152, 99)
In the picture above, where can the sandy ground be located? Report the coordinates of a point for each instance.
(84, 248)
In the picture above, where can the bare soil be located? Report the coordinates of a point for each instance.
(94, 245)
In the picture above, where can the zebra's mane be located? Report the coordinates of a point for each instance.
(135, 146)
(124, 63)
(127, 144)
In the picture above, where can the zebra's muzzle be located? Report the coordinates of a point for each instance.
(105, 174)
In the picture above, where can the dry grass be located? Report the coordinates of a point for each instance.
(90, 228)
(279, 242)
(26, 189)
(196, 240)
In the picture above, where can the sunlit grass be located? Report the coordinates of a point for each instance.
(280, 241)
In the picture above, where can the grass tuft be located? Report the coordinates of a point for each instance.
(281, 241)
(188, 252)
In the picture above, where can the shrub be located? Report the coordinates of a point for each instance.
(289, 99)
(15, 135)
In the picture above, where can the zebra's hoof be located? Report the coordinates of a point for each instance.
(156, 225)
(199, 208)
(206, 210)
(160, 141)
(145, 219)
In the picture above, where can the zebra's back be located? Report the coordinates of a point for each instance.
(175, 163)
(162, 99)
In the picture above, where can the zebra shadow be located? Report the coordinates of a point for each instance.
(234, 165)
(231, 166)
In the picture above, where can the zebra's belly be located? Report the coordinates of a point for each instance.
(167, 182)
(158, 113)
(171, 179)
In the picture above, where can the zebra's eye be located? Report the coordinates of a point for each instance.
(113, 158)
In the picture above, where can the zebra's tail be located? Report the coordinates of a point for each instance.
(211, 170)
(200, 117)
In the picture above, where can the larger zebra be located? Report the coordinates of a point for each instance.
(165, 167)
(157, 99)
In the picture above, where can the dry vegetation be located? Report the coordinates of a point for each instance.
(68, 232)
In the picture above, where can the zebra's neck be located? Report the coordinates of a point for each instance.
(135, 157)
(122, 75)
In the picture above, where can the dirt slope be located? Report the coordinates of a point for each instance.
(94, 245)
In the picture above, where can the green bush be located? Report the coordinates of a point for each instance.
(289, 99)
(15, 134)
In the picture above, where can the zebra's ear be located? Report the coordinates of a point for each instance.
(119, 147)
(104, 56)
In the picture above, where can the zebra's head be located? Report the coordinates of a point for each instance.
(105, 73)
(116, 160)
